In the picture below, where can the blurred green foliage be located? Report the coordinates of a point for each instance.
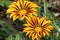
(5, 2)
(9, 31)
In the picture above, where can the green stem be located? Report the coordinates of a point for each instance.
(39, 8)
(45, 7)
(39, 1)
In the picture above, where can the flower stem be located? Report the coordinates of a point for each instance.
(45, 7)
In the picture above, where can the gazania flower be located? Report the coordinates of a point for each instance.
(21, 9)
(36, 28)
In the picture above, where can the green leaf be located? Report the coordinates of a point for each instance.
(17, 36)
(5, 2)
(10, 38)
(52, 17)
(6, 29)
(19, 23)
(58, 20)
(39, 12)
(45, 7)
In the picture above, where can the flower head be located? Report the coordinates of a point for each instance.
(21, 9)
(36, 28)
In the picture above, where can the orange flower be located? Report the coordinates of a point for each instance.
(36, 28)
(21, 9)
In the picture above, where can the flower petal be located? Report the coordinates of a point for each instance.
(11, 10)
(21, 18)
(33, 37)
(27, 25)
(50, 27)
(42, 20)
(36, 36)
(27, 29)
(31, 33)
(33, 5)
(44, 34)
(14, 5)
(11, 15)
(46, 22)
(30, 21)
(27, 33)
(15, 17)
(21, 3)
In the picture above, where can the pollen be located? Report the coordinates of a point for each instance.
(22, 12)
(38, 29)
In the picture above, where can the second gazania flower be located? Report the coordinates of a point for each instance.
(36, 28)
(21, 9)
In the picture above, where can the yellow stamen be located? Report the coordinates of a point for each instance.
(22, 12)
(38, 29)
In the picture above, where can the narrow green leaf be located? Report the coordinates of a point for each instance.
(45, 8)
(10, 38)
(5, 2)
(58, 21)
(52, 17)
(17, 36)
